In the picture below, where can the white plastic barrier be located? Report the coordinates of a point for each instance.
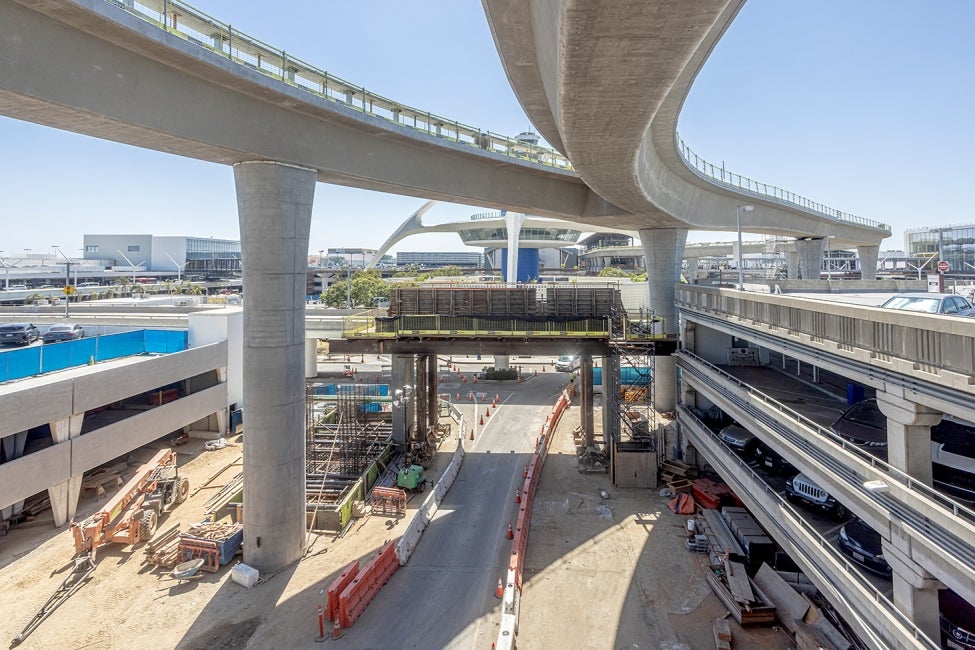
(423, 516)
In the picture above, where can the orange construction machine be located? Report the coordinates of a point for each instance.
(132, 514)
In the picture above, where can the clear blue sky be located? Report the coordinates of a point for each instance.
(865, 106)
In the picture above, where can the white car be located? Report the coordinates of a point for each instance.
(567, 362)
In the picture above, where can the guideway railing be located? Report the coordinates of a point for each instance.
(182, 20)
(199, 28)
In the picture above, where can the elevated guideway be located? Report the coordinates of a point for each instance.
(127, 71)
(615, 117)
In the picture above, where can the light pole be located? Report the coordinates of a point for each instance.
(348, 288)
(321, 256)
(179, 269)
(67, 280)
(130, 263)
(741, 270)
(829, 257)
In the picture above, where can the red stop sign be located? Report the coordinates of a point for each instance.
(943, 266)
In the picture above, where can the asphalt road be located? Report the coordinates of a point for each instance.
(445, 597)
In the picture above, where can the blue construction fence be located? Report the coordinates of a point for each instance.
(40, 359)
(364, 390)
(629, 376)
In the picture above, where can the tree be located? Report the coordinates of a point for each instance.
(366, 285)
(613, 272)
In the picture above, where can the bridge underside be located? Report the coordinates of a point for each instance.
(489, 345)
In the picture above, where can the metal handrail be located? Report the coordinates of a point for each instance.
(199, 28)
(905, 480)
(823, 544)
(743, 184)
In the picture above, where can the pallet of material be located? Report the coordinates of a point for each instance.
(759, 611)
(682, 485)
(163, 549)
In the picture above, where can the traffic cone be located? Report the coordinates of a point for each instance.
(457, 399)
(510, 534)
(499, 592)
(336, 630)
(497, 398)
(543, 368)
(519, 380)
(472, 434)
(525, 473)
(482, 420)
(470, 397)
(517, 496)
(536, 372)
(487, 413)
(321, 624)
(474, 379)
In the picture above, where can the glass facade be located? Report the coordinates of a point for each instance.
(212, 254)
(534, 234)
(953, 244)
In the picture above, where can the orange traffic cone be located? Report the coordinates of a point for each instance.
(510, 534)
(536, 373)
(470, 397)
(487, 412)
(474, 379)
(499, 592)
(497, 398)
(543, 368)
(336, 630)
(457, 399)
(482, 420)
(519, 380)
(525, 473)
(472, 434)
(517, 496)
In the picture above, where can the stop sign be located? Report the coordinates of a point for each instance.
(943, 266)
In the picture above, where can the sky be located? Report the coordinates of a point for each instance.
(864, 106)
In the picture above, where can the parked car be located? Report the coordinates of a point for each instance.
(739, 438)
(862, 544)
(802, 489)
(63, 332)
(567, 362)
(865, 426)
(930, 303)
(19, 333)
(957, 621)
(772, 461)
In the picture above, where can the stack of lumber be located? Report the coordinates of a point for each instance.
(163, 549)
(212, 531)
(677, 476)
(225, 495)
(99, 477)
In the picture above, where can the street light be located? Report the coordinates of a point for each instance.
(67, 279)
(321, 255)
(179, 269)
(829, 257)
(741, 270)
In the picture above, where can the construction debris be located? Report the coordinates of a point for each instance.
(163, 549)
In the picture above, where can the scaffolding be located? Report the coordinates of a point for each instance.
(634, 399)
(345, 434)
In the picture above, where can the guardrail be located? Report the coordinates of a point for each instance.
(742, 184)
(436, 325)
(684, 360)
(194, 26)
(796, 518)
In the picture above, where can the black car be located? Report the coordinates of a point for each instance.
(957, 621)
(865, 426)
(772, 461)
(65, 332)
(862, 543)
(18, 333)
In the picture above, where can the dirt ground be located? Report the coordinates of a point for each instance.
(621, 582)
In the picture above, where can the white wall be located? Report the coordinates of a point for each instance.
(175, 246)
(225, 324)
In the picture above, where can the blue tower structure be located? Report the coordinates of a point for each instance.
(527, 260)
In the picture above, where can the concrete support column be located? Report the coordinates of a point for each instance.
(501, 362)
(585, 401)
(868, 261)
(915, 591)
(664, 250)
(792, 265)
(433, 394)
(311, 358)
(403, 373)
(908, 434)
(810, 252)
(691, 269)
(422, 393)
(611, 397)
(274, 203)
(513, 221)
(13, 448)
(64, 495)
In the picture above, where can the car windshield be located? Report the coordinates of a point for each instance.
(60, 328)
(12, 328)
(914, 303)
(565, 357)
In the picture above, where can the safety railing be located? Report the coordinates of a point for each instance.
(710, 373)
(823, 545)
(743, 184)
(469, 326)
(194, 26)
